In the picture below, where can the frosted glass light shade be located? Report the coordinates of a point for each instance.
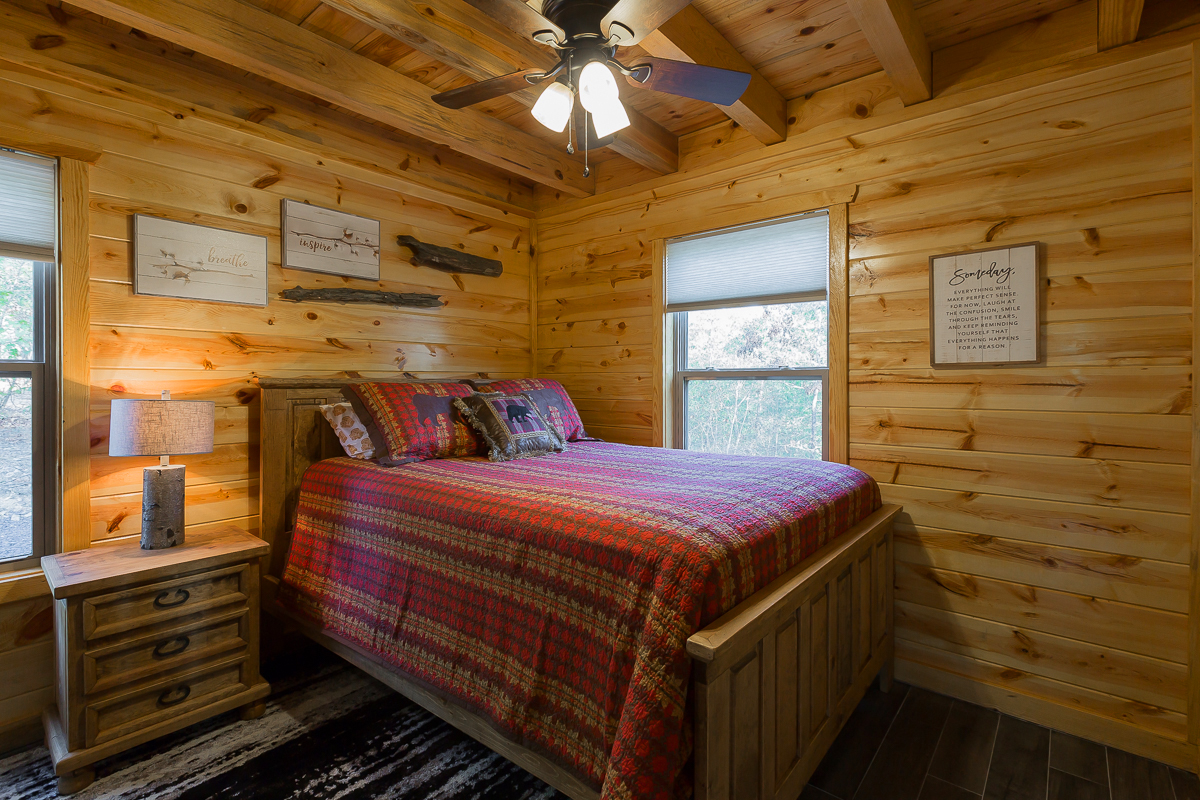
(599, 95)
(160, 427)
(610, 119)
(597, 87)
(553, 107)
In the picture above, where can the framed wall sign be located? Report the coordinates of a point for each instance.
(195, 262)
(323, 240)
(984, 307)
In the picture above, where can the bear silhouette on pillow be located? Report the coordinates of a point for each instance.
(429, 406)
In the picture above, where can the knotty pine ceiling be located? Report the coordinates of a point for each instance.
(799, 46)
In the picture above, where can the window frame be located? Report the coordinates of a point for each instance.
(682, 376)
(43, 371)
(671, 339)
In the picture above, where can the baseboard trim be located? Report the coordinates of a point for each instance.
(20, 734)
(1052, 715)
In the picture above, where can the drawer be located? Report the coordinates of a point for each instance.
(137, 710)
(156, 603)
(163, 650)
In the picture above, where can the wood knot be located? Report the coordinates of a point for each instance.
(47, 41)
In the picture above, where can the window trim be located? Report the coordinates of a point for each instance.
(72, 435)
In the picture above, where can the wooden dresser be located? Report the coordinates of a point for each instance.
(148, 642)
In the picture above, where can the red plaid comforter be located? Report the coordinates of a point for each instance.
(555, 595)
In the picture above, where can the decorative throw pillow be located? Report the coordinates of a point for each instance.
(511, 425)
(413, 421)
(550, 398)
(350, 430)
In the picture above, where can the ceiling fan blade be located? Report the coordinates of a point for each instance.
(519, 17)
(710, 84)
(639, 17)
(486, 90)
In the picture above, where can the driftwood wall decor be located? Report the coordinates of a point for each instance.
(404, 299)
(449, 260)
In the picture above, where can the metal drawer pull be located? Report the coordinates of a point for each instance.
(181, 596)
(173, 697)
(164, 648)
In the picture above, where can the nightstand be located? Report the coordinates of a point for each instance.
(148, 642)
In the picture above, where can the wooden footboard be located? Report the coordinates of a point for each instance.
(777, 677)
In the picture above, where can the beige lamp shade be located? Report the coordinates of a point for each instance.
(160, 427)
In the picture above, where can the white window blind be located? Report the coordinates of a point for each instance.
(784, 260)
(27, 207)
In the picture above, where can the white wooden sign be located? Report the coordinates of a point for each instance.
(195, 262)
(984, 307)
(323, 240)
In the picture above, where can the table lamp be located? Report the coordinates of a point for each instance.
(162, 428)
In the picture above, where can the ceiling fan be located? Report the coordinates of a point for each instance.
(586, 34)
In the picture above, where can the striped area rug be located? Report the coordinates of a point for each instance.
(332, 733)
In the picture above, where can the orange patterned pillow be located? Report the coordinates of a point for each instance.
(350, 430)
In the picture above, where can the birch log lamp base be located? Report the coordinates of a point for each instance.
(162, 428)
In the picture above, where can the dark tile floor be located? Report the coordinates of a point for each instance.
(910, 744)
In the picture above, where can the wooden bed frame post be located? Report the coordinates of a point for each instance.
(775, 679)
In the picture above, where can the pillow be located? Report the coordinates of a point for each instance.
(511, 425)
(350, 430)
(551, 400)
(413, 421)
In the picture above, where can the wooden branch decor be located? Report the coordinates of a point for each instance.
(449, 260)
(402, 299)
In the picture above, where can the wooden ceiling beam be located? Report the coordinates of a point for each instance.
(259, 42)
(460, 36)
(1117, 22)
(688, 36)
(894, 33)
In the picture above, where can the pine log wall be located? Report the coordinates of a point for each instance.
(1042, 557)
(190, 145)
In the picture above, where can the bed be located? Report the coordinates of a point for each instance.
(755, 694)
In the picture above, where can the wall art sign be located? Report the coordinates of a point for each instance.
(984, 307)
(196, 262)
(323, 240)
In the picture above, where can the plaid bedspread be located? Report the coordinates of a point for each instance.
(555, 595)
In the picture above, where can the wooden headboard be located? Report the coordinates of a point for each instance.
(292, 436)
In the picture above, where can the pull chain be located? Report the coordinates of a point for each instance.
(586, 170)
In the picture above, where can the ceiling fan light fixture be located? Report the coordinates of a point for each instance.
(553, 107)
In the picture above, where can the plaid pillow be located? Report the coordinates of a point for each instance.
(550, 398)
(511, 425)
(413, 421)
(350, 430)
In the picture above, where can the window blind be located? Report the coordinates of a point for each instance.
(28, 226)
(774, 262)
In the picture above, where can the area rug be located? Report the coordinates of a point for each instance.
(330, 732)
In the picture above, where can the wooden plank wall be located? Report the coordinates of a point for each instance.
(164, 158)
(1042, 558)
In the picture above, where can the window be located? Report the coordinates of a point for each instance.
(751, 338)
(28, 384)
